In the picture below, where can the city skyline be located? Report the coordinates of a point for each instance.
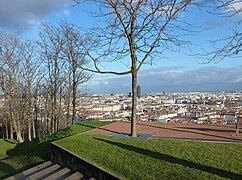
(171, 79)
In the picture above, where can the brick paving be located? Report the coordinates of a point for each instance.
(175, 130)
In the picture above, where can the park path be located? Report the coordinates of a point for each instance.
(210, 132)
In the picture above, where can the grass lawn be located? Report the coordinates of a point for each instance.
(159, 159)
(15, 157)
(6, 145)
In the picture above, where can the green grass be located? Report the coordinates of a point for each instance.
(159, 159)
(6, 145)
(18, 157)
(75, 129)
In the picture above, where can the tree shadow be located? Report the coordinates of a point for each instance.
(10, 171)
(8, 141)
(171, 159)
(31, 148)
(26, 152)
(7, 169)
(209, 129)
(101, 128)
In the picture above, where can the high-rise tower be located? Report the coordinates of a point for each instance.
(138, 91)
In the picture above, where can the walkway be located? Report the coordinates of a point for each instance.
(204, 132)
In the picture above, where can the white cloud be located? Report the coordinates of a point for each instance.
(237, 7)
(232, 8)
(21, 15)
(105, 82)
(92, 83)
(175, 79)
(67, 12)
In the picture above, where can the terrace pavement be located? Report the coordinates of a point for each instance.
(187, 131)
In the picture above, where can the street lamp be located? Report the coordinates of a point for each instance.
(237, 124)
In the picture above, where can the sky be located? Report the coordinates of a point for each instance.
(177, 71)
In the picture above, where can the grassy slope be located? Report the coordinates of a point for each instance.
(6, 145)
(19, 157)
(159, 159)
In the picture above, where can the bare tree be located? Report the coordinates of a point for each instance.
(51, 44)
(33, 90)
(30, 70)
(73, 53)
(11, 84)
(138, 30)
(229, 46)
(62, 51)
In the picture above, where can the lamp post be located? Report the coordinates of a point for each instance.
(1, 52)
(237, 125)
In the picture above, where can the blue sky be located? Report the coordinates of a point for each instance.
(178, 71)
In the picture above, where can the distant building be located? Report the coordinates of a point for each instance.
(138, 91)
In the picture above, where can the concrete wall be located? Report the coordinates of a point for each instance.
(68, 159)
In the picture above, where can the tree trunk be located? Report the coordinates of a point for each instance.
(134, 105)
(134, 83)
(54, 110)
(35, 116)
(17, 127)
(68, 100)
(68, 110)
(74, 99)
(33, 127)
(60, 110)
(17, 130)
(30, 113)
(46, 118)
(11, 129)
(19, 136)
(29, 129)
(6, 129)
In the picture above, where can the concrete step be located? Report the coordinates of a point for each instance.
(65, 172)
(76, 175)
(45, 172)
(92, 178)
(48, 171)
(31, 171)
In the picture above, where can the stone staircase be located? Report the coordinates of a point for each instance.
(49, 171)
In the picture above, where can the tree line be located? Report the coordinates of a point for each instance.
(40, 81)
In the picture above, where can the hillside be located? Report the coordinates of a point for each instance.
(16, 157)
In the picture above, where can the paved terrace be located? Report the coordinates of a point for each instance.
(206, 132)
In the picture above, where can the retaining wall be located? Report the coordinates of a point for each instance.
(68, 159)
